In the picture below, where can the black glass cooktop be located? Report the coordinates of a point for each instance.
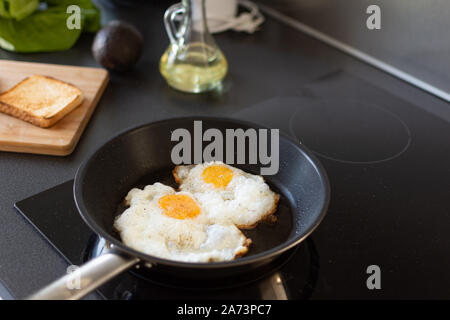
(388, 162)
(389, 167)
(54, 214)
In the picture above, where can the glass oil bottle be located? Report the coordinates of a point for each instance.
(192, 62)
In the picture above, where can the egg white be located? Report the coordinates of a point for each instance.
(244, 202)
(145, 227)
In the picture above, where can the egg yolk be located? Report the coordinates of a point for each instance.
(219, 175)
(179, 206)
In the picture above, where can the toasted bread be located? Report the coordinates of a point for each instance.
(40, 100)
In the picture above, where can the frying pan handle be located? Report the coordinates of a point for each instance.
(87, 278)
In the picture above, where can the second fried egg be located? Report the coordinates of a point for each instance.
(228, 194)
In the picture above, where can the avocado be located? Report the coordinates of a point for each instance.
(117, 46)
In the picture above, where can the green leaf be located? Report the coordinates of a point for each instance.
(17, 9)
(42, 31)
(20, 9)
(91, 19)
(4, 12)
(46, 30)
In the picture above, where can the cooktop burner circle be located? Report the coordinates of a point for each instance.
(350, 131)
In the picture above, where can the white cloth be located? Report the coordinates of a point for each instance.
(246, 21)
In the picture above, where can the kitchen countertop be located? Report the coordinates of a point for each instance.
(261, 66)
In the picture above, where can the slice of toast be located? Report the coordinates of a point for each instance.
(40, 100)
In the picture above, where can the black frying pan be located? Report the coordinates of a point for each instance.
(142, 156)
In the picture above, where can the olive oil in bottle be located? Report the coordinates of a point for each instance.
(193, 62)
(194, 68)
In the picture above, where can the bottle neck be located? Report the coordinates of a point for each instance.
(196, 10)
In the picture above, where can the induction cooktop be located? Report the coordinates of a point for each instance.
(54, 214)
(388, 165)
(388, 162)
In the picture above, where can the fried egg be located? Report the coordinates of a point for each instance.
(173, 225)
(228, 194)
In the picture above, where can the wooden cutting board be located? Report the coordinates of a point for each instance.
(60, 139)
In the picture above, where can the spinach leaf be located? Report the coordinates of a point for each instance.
(46, 30)
(17, 9)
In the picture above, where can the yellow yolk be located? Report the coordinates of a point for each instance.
(219, 175)
(179, 206)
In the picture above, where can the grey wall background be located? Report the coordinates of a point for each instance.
(414, 35)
